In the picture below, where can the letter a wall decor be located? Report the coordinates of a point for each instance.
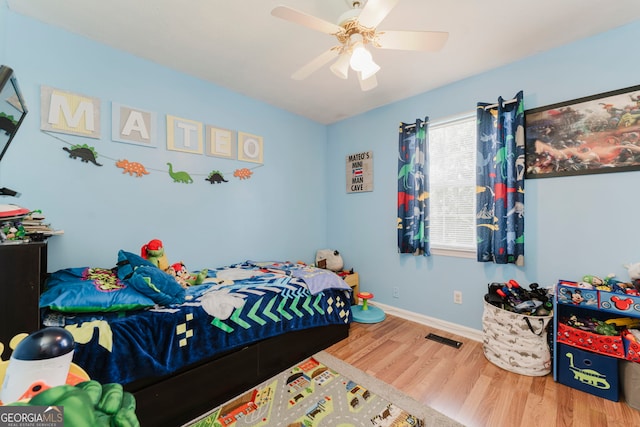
(134, 125)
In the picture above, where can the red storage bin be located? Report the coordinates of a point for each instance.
(602, 344)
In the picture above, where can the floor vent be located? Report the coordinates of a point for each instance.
(443, 340)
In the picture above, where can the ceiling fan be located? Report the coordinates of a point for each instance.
(355, 30)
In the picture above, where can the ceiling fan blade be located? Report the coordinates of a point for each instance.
(429, 41)
(375, 11)
(367, 84)
(301, 18)
(314, 65)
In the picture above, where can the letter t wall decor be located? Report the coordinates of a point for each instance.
(184, 135)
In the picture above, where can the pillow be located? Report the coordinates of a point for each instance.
(149, 280)
(84, 289)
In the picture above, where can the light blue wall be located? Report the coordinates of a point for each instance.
(296, 203)
(574, 225)
(3, 31)
(277, 214)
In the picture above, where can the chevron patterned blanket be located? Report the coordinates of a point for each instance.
(236, 305)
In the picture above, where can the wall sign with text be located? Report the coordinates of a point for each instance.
(360, 172)
(75, 114)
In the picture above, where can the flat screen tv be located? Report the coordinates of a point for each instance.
(13, 109)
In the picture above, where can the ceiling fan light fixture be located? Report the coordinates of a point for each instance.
(360, 58)
(341, 67)
(369, 70)
(362, 61)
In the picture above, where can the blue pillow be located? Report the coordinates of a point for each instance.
(84, 290)
(149, 280)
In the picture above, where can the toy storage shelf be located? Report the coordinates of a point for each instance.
(589, 361)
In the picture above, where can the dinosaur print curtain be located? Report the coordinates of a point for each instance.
(413, 189)
(500, 182)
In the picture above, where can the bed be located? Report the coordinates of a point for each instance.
(183, 351)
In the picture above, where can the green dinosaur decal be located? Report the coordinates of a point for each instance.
(180, 176)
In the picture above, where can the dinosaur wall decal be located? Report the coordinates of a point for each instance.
(179, 176)
(84, 152)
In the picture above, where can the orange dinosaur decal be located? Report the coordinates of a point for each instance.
(132, 168)
(243, 173)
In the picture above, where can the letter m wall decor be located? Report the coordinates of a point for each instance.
(70, 113)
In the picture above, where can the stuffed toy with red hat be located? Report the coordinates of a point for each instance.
(154, 252)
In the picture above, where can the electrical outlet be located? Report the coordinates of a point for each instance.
(457, 297)
(396, 292)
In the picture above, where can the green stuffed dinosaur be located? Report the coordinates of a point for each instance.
(89, 404)
(604, 328)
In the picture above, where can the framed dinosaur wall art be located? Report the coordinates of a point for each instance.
(594, 134)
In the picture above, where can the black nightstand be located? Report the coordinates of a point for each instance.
(23, 269)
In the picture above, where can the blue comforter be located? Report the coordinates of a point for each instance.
(237, 305)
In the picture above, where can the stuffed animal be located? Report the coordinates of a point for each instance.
(329, 259)
(184, 277)
(634, 270)
(154, 252)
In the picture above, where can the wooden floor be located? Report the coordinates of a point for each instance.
(463, 385)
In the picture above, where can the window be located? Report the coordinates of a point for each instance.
(452, 186)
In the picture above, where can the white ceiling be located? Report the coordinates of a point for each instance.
(237, 44)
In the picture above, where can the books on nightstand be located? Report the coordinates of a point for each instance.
(34, 223)
(27, 227)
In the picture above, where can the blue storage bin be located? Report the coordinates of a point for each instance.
(626, 305)
(589, 372)
(570, 294)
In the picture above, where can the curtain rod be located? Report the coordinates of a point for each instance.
(412, 125)
(488, 107)
(510, 101)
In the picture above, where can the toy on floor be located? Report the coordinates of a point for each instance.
(33, 376)
(39, 361)
(365, 313)
(155, 253)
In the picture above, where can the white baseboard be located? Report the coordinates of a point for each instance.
(443, 325)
